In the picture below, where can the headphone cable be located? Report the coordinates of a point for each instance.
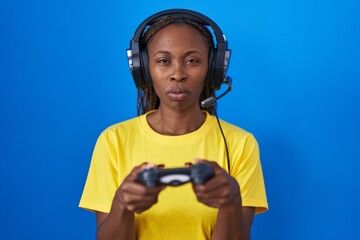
(223, 135)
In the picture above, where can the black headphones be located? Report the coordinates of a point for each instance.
(219, 57)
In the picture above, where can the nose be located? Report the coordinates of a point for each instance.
(178, 73)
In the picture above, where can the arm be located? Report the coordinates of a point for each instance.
(223, 192)
(130, 198)
(118, 224)
(233, 222)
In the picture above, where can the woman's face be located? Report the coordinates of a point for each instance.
(178, 62)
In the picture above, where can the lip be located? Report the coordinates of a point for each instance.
(178, 94)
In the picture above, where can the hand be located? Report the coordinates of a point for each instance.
(220, 191)
(136, 197)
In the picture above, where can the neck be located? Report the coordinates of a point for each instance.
(175, 123)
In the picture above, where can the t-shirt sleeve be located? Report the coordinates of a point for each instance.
(102, 180)
(248, 171)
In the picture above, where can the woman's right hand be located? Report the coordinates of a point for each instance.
(134, 196)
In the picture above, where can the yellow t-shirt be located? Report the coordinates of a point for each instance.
(177, 215)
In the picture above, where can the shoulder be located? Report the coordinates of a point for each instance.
(236, 135)
(123, 124)
(123, 128)
(234, 130)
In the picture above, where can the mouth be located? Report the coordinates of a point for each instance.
(178, 94)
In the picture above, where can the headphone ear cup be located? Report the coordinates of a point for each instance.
(146, 77)
(209, 77)
(219, 67)
(134, 60)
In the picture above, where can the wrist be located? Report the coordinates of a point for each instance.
(233, 205)
(236, 198)
(120, 208)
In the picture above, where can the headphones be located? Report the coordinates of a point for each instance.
(219, 56)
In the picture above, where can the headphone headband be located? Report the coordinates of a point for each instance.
(188, 14)
(138, 61)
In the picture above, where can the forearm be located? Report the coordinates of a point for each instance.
(231, 224)
(119, 224)
(130, 198)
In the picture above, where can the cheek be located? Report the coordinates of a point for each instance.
(201, 75)
(151, 69)
(204, 70)
(155, 73)
(156, 80)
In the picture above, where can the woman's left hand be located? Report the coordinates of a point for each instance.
(220, 191)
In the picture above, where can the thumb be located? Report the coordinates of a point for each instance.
(136, 170)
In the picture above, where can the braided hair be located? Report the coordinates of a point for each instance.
(147, 98)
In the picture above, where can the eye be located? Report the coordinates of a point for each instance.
(192, 61)
(163, 61)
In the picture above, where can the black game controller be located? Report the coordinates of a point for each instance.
(198, 174)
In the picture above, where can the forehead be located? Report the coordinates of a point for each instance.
(180, 33)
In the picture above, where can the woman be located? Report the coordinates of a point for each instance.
(174, 129)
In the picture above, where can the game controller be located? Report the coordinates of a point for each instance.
(153, 177)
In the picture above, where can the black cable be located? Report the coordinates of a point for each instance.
(223, 135)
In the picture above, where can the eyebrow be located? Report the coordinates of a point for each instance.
(187, 53)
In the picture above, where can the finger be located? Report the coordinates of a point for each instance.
(210, 187)
(131, 198)
(147, 165)
(140, 189)
(215, 203)
(138, 204)
(217, 193)
(188, 164)
(218, 181)
(213, 165)
(135, 201)
(160, 166)
(133, 188)
(133, 174)
(136, 170)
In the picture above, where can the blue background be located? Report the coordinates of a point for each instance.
(64, 78)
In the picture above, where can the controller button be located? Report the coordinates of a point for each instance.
(175, 179)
